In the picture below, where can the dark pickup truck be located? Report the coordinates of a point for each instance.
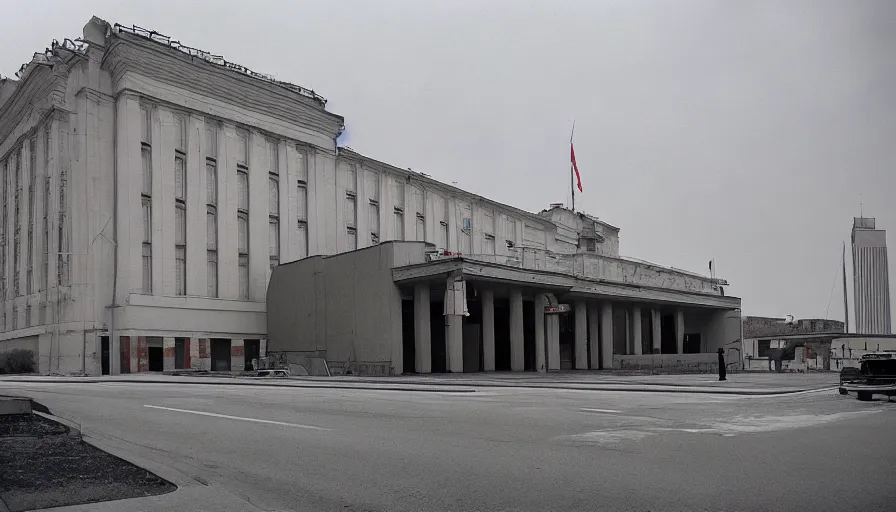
(876, 375)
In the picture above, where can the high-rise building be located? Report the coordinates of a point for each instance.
(871, 282)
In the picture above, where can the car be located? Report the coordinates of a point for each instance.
(272, 373)
(876, 375)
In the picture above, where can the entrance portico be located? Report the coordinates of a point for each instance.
(500, 317)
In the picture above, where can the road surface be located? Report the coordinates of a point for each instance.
(495, 449)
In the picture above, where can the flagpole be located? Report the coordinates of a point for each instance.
(572, 187)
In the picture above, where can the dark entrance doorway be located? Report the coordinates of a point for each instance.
(667, 329)
(437, 336)
(220, 355)
(180, 353)
(528, 335)
(502, 334)
(104, 357)
(251, 351)
(407, 336)
(156, 359)
(567, 340)
(692, 343)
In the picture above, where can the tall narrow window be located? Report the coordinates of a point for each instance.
(4, 206)
(242, 212)
(302, 206)
(488, 231)
(420, 229)
(274, 204)
(510, 232)
(32, 171)
(211, 207)
(146, 195)
(372, 188)
(351, 210)
(45, 275)
(180, 205)
(398, 209)
(17, 227)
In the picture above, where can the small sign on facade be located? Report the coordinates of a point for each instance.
(559, 308)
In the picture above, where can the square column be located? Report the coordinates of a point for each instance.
(454, 343)
(679, 331)
(657, 331)
(606, 335)
(636, 330)
(422, 332)
(168, 348)
(488, 330)
(581, 333)
(553, 341)
(594, 334)
(517, 354)
(540, 345)
(237, 356)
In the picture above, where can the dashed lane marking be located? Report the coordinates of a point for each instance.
(240, 418)
(607, 411)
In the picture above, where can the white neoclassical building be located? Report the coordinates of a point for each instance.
(149, 188)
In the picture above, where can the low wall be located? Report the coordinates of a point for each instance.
(704, 362)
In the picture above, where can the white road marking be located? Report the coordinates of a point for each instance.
(216, 415)
(609, 411)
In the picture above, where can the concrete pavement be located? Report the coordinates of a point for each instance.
(247, 448)
(737, 384)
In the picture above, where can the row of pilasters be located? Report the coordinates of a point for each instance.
(590, 317)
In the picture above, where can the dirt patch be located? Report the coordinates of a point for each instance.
(43, 466)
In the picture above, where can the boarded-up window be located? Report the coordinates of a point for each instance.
(242, 189)
(180, 179)
(243, 263)
(211, 183)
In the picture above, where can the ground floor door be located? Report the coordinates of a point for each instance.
(180, 353)
(692, 343)
(220, 355)
(104, 351)
(251, 351)
(156, 358)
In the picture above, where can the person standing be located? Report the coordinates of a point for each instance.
(722, 371)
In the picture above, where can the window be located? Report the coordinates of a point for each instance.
(398, 209)
(421, 227)
(32, 171)
(488, 232)
(510, 232)
(372, 189)
(180, 206)
(418, 210)
(242, 215)
(274, 205)
(211, 207)
(351, 211)
(16, 218)
(373, 218)
(146, 194)
(302, 205)
(45, 275)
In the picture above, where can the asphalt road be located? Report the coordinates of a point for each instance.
(502, 449)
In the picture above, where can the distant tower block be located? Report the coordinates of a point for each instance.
(871, 283)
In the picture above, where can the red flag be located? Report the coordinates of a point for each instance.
(572, 159)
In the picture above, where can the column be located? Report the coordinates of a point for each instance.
(636, 330)
(422, 332)
(606, 335)
(237, 356)
(540, 346)
(679, 331)
(517, 354)
(594, 334)
(454, 343)
(553, 339)
(488, 330)
(581, 334)
(657, 331)
(168, 354)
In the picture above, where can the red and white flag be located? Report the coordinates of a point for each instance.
(575, 168)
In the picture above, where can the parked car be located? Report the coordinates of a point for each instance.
(272, 373)
(876, 375)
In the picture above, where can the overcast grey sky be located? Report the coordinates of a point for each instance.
(745, 131)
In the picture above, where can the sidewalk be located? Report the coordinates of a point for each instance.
(737, 384)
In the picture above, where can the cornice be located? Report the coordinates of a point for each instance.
(130, 53)
(41, 90)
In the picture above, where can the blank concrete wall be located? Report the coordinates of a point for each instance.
(346, 304)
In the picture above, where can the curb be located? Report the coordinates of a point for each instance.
(660, 388)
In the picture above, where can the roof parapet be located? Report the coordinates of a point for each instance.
(217, 60)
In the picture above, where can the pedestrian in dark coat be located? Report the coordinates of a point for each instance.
(722, 371)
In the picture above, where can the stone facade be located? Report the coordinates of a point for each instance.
(149, 188)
